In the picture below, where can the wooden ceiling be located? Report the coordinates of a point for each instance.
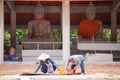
(59, 3)
(55, 18)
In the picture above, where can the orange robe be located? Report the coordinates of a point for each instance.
(88, 28)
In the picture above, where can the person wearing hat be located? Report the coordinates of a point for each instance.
(46, 64)
(76, 60)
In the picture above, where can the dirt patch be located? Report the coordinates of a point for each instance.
(9, 69)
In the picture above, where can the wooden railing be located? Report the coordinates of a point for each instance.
(39, 43)
(97, 44)
(94, 40)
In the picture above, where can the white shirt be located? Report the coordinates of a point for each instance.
(77, 60)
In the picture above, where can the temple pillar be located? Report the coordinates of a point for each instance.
(11, 6)
(113, 25)
(115, 7)
(66, 29)
(1, 30)
(13, 29)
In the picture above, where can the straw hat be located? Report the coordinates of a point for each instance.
(43, 56)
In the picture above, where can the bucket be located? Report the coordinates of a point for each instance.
(61, 71)
(69, 71)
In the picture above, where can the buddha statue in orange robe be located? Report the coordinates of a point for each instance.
(90, 27)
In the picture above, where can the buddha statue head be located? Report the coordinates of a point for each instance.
(91, 11)
(38, 11)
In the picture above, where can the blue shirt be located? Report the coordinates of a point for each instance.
(41, 63)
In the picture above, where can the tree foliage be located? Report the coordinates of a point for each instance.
(20, 33)
(56, 33)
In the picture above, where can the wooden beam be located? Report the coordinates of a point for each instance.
(57, 9)
(59, 0)
(116, 5)
(13, 22)
(11, 5)
(13, 29)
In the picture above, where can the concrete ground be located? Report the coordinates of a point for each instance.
(17, 68)
(111, 70)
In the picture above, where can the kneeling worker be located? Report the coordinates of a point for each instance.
(76, 60)
(46, 64)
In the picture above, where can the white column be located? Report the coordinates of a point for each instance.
(66, 29)
(13, 28)
(1, 30)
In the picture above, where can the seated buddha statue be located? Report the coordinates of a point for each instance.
(39, 27)
(90, 27)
